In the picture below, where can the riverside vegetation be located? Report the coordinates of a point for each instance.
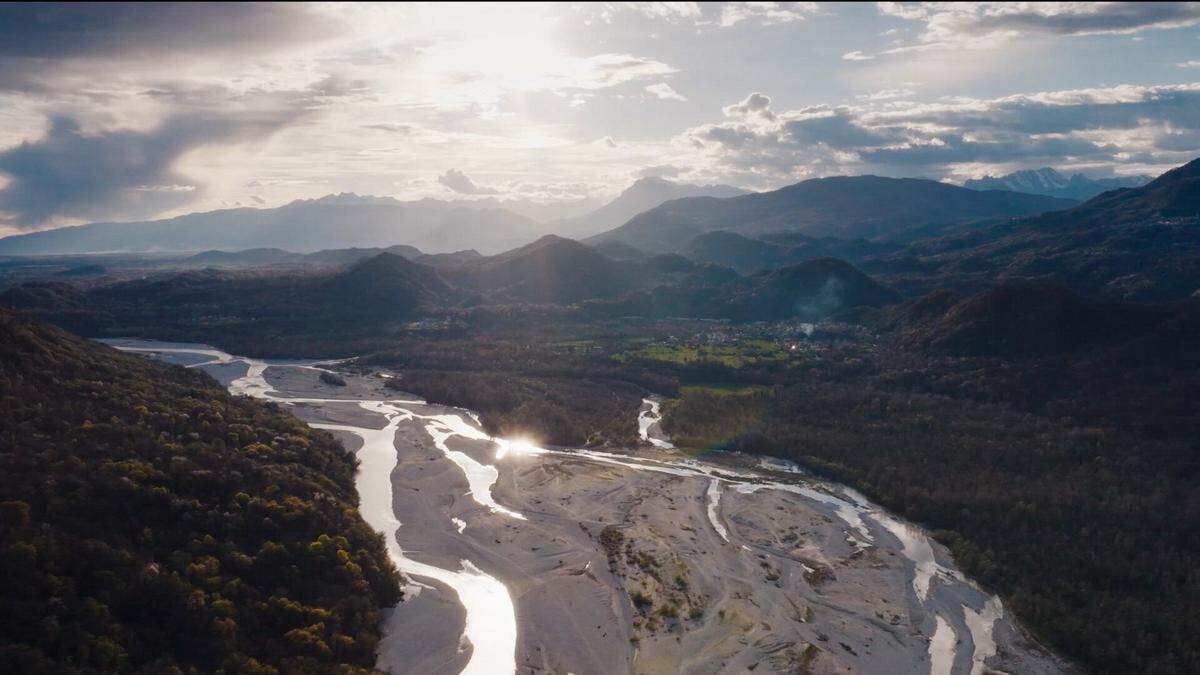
(154, 523)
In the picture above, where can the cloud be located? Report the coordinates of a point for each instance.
(766, 13)
(608, 70)
(126, 173)
(663, 91)
(38, 39)
(708, 14)
(79, 170)
(856, 56)
(121, 29)
(337, 86)
(1149, 125)
(937, 152)
(1189, 64)
(462, 184)
(402, 129)
(836, 129)
(661, 171)
(886, 94)
(609, 142)
(970, 25)
(668, 11)
(1061, 112)
(754, 104)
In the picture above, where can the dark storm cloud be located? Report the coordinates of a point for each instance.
(1111, 17)
(966, 25)
(95, 171)
(36, 39)
(128, 173)
(67, 30)
(839, 131)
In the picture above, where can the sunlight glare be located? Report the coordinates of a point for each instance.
(517, 446)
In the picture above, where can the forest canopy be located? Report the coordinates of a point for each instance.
(151, 522)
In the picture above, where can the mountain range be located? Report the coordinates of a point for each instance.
(334, 221)
(747, 254)
(1051, 183)
(1134, 244)
(283, 311)
(540, 211)
(348, 220)
(276, 256)
(643, 195)
(766, 256)
(847, 207)
(550, 270)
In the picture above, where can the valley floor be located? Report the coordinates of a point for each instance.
(642, 561)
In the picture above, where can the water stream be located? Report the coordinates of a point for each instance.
(491, 625)
(714, 508)
(648, 419)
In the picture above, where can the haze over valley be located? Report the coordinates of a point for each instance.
(600, 338)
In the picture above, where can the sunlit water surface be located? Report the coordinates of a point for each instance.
(491, 626)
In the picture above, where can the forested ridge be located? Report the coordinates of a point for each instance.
(1067, 482)
(150, 522)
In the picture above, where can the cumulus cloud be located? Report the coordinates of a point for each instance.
(766, 13)
(837, 129)
(669, 11)
(665, 92)
(969, 25)
(708, 14)
(755, 104)
(1152, 125)
(886, 94)
(462, 184)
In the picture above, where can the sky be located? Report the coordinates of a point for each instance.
(127, 112)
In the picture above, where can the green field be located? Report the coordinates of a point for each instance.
(721, 388)
(749, 352)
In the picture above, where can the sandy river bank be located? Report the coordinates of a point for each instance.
(634, 561)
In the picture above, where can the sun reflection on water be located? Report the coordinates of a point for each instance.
(517, 446)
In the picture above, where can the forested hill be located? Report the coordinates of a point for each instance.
(151, 522)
